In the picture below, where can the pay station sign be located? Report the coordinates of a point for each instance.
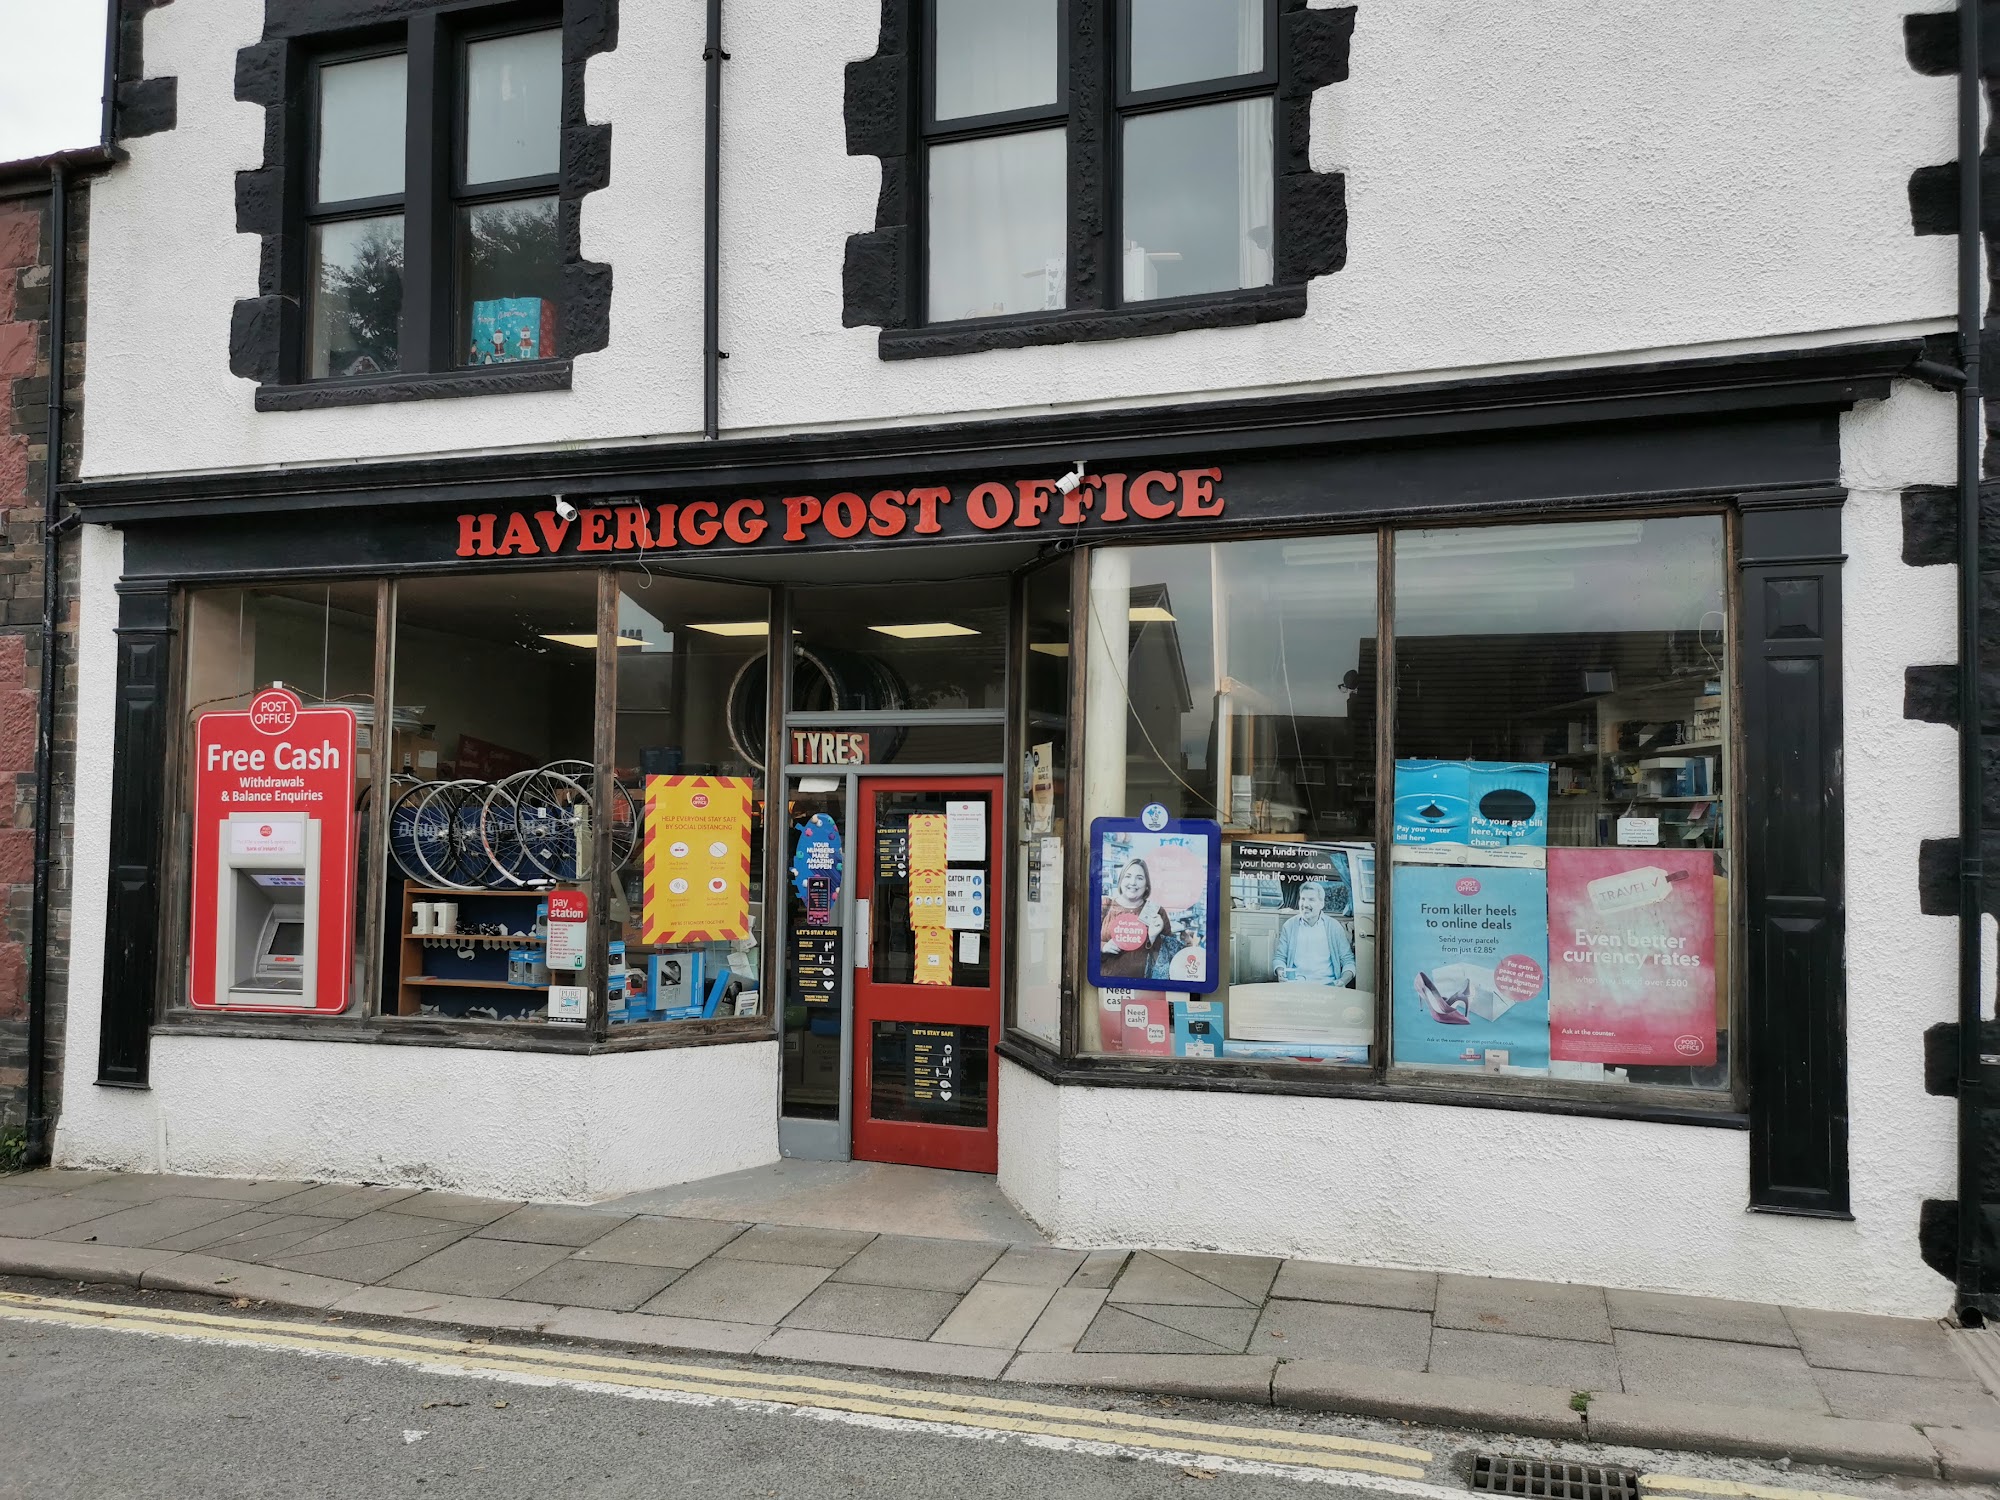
(279, 758)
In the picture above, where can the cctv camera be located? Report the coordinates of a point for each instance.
(1068, 483)
(565, 509)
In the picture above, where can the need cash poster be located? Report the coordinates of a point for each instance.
(1471, 960)
(1632, 950)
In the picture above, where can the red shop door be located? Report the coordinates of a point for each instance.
(927, 1000)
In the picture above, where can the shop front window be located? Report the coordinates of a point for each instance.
(691, 917)
(1230, 751)
(1040, 898)
(269, 857)
(1561, 850)
(495, 808)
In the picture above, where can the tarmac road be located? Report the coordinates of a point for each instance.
(107, 1414)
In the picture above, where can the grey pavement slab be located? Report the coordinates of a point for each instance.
(1126, 1330)
(39, 1216)
(663, 1333)
(1215, 1377)
(1713, 1373)
(679, 1243)
(1390, 1338)
(365, 1250)
(14, 1191)
(1099, 1271)
(1652, 1422)
(1155, 1280)
(877, 1311)
(1035, 1265)
(921, 1264)
(1888, 1346)
(909, 1355)
(1365, 1286)
(1449, 1400)
(148, 1223)
(1968, 1455)
(994, 1315)
(1872, 1396)
(479, 1268)
(1247, 1276)
(443, 1307)
(460, 1208)
(250, 1223)
(1700, 1318)
(1494, 1304)
(144, 1187)
(63, 1261)
(595, 1283)
(1226, 1328)
(1064, 1321)
(548, 1225)
(1524, 1359)
(737, 1291)
(342, 1200)
(216, 1277)
(797, 1245)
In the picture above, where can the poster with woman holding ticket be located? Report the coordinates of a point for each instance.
(1632, 956)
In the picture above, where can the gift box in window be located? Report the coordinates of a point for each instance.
(507, 330)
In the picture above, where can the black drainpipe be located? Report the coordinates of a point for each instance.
(1971, 829)
(45, 716)
(711, 262)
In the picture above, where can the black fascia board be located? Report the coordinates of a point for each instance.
(1829, 378)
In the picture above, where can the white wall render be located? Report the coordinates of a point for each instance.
(1526, 186)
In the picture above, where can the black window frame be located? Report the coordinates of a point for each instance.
(434, 46)
(463, 195)
(933, 133)
(1127, 103)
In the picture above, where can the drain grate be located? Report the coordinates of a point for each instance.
(1545, 1481)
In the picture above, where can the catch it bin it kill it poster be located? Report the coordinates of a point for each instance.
(1471, 968)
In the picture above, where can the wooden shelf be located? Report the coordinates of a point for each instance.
(454, 938)
(1666, 749)
(427, 982)
(1710, 798)
(512, 890)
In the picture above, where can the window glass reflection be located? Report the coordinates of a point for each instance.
(509, 269)
(361, 113)
(1185, 41)
(995, 55)
(356, 283)
(998, 226)
(1197, 200)
(513, 107)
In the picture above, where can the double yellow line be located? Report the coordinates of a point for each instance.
(1164, 1435)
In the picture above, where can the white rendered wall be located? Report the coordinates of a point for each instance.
(1612, 1202)
(1563, 183)
(510, 1124)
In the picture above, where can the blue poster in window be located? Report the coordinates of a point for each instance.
(816, 869)
(1471, 955)
(1154, 895)
(1472, 812)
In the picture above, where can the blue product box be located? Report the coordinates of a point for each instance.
(507, 330)
(1197, 1027)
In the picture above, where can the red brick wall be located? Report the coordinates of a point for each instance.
(24, 376)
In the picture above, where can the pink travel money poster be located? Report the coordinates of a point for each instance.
(1632, 956)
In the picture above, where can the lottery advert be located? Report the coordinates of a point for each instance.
(1471, 958)
(1632, 956)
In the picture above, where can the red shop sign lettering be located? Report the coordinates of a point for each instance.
(994, 505)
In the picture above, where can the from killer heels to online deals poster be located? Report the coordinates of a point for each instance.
(1514, 955)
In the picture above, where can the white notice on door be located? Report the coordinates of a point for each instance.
(968, 948)
(965, 899)
(965, 830)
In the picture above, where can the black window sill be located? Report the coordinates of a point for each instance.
(486, 1036)
(369, 390)
(1312, 1081)
(1264, 304)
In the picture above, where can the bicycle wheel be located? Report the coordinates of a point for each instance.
(552, 821)
(500, 834)
(404, 813)
(447, 835)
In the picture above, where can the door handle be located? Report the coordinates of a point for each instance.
(862, 932)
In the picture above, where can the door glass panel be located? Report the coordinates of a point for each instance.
(814, 950)
(929, 1074)
(931, 911)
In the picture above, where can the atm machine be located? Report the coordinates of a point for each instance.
(267, 910)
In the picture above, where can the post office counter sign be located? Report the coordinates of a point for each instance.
(274, 820)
